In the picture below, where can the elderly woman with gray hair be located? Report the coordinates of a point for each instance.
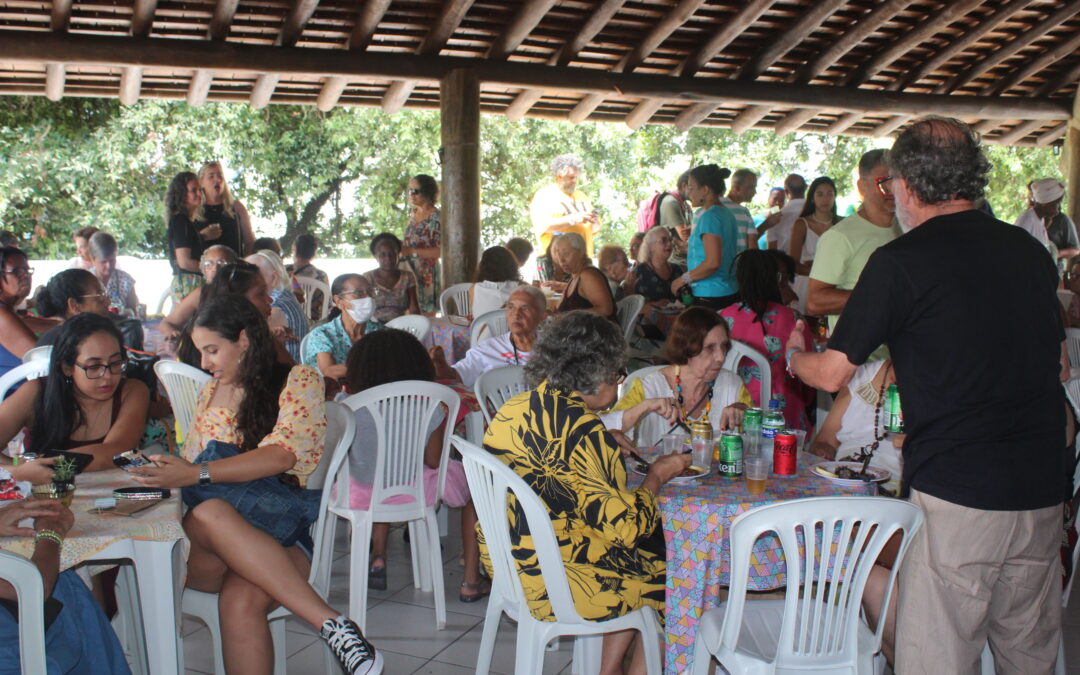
(609, 535)
(118, 284)
(588, 287)
(287, 320)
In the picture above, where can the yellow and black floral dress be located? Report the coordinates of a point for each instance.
(610, 536)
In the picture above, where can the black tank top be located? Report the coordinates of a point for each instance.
(230, 228)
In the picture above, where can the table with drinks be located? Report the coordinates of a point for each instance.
(697, 515)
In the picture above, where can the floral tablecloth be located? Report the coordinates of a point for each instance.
(452, 337)
(697, 517)
(93, 533)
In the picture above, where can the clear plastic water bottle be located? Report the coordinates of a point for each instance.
(752, 432)
(773, 422)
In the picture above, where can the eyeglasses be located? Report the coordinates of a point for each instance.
(20, 271)
(102, 296)
(207, 264)
(97, 371)
(883, 186)
(413, 192)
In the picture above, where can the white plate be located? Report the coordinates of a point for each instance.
(458, 320)
(678, 480)
(878, 475)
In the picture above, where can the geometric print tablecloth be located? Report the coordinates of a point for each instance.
(454, 339)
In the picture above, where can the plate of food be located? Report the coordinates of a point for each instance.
(847, 473)
(688, 475)
(458, 320)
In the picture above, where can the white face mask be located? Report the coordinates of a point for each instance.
(360, 309)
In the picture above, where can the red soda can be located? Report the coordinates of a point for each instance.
(785, 453)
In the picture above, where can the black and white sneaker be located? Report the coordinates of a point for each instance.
(356, 655)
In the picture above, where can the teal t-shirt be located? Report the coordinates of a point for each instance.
(718, 221)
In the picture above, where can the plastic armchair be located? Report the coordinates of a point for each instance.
(24, 576)
(741, 350)
(31, 370)
(488, 325)
(458, 294)
(182, 385)
(166, 298)
(817, 627)
(310, 285)
(490, 483)
(628, 310)
(44, 352)
(340, 429)
(402, 412)
(497, 386)
(417, 324)
(650, 427)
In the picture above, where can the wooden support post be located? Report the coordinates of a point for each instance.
(459, 98)
(1072, 158)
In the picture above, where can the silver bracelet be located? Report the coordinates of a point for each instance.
(686, 278)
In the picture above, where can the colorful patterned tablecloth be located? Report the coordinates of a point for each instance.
(452, 337)
(93, 533)
(697, 517)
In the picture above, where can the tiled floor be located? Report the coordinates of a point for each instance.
(401, 622)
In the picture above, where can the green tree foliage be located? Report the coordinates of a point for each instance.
(343, 174)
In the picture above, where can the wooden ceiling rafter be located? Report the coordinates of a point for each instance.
(367, 21)
(449, 19)
(297, 19)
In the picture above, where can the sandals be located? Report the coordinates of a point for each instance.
(479, 591)
(376, 576)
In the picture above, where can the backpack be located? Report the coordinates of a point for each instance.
(648, 213)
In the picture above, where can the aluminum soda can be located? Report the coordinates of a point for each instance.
(731, 455)
(894, 414)
(785, 453)
(752, 419)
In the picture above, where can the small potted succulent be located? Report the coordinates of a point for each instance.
(62, 486)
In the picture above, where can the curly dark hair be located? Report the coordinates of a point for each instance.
(64, 285)
(809, 207)
(757, 273)
(941, 160)
(712, 177)
(261, 376)
(577, 351)
(429, 187)
(687, 336)
(176, 195)
(497, 264)
(387, 355)
(387, 238)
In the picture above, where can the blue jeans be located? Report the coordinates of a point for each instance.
(285, 512)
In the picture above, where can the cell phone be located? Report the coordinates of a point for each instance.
(81, 459)
(132, 459)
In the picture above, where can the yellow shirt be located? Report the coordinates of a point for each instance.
(551, 202)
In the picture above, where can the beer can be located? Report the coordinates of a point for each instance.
(753, 418)
(731, 455)
(701, 429)
(785, 453)
(894, 414)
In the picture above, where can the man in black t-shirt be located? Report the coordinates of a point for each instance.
(967, 306)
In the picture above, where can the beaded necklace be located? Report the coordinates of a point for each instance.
(684, 414)
(868, 450)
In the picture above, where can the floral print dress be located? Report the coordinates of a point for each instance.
(610, 536)
(424, 234)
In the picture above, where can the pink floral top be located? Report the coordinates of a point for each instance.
(301, 421)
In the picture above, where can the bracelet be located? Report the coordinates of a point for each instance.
(49, 534)
(204, 474)
(787, 358)
(686, 278)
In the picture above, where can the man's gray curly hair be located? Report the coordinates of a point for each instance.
(577, 351)
(563, 162)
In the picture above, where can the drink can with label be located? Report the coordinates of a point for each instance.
(785, 453)
(731, 455)
(894, 414)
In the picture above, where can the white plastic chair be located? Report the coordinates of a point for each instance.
(1065, 297)
(304, 344)
(340, 429)
(166, 297)
(458, 294)
(24, 576)
(628, 310)
(417, 324)
(182, 385)
(490, 482)
(37, 353)
(488, 325)
(741, 350)
(309, 286)
(403, 412)
(497, 386)
(1072, 342)
(30, 370)
(650, 427)
(821, 631)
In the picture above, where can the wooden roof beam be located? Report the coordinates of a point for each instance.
(130, 85)
(843, 124)
(446, 23)
(54, 81)
(527, 18)
(694, 62)
(1011, 48)
(60, 16)
(1050, 136)
(1021, 131)
(597, 20)
(889, 126)
(981, 28)
(224, 12)
(199, 87)
(793, 120)
(38, 47)
(367, 21)
(810, 21)
(294, 25)
(1070, 76)
(1049, 58)
(662, 31)
(142, 20)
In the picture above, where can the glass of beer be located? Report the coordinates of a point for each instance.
(756, 470)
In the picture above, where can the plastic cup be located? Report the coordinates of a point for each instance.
(800, 442)
(756, 470)
(674, 443)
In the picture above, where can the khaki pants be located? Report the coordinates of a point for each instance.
(972, 575)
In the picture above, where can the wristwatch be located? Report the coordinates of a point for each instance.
(204, 474)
